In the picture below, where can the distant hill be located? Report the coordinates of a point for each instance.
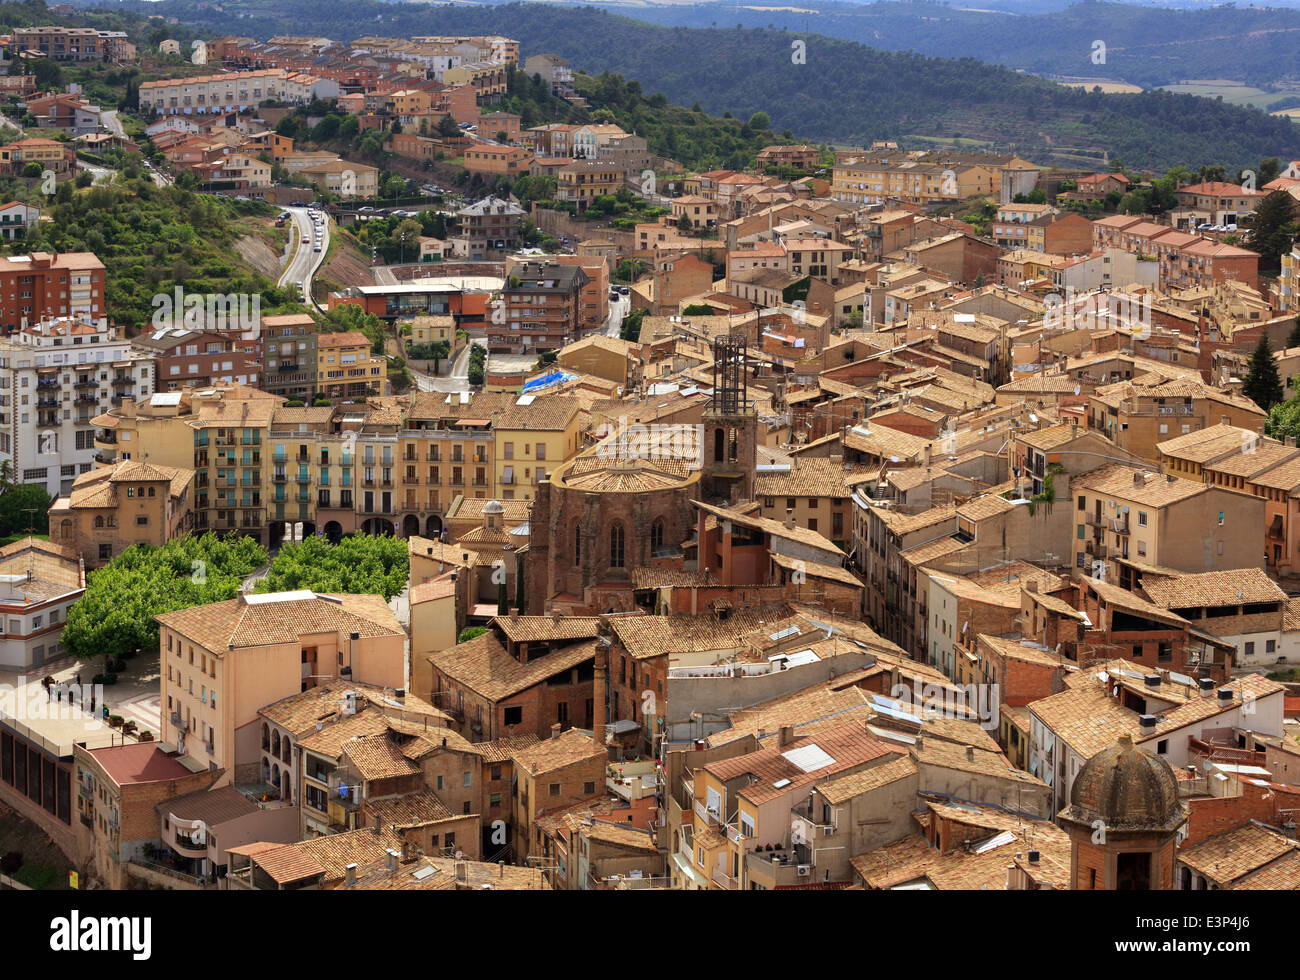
(843, 93)
(1147, 46)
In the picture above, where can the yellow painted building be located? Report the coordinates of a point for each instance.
(345, 367)
(532, 437)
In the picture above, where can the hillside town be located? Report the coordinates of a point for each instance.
(863, 518)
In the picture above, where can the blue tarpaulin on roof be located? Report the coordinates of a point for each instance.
(546, 380)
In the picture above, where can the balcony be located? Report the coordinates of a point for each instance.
(122, 381)
(279, 478)
(85, 383)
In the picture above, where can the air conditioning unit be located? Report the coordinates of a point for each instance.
(805, 870)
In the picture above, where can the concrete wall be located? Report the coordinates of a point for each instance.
(710, 696)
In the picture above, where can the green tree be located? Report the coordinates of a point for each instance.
(24, 506)
(115, 616)
(447, 126)
(361, 564)
(470, 632)
(1273, 229)
(1263, 383)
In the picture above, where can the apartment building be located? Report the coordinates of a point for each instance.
(289, 355)
(486, 78)
(1137, 417)
(350, 181)
(1122, 512)
(487, 228)
(531, 437)
(233, 91)
(579, 183)
(56, 375)
(49, 154)
(1186, 260)
(222, 662)
(555, 772)
(60, 43)
(39, 582)
(345, 368)
(1215, 202)
(446, 449)
(493, 158)
(800, 157)
(16, 219)
(554, 70)
(810, 492)
(114, 507)
(541, 310)
(42, 285)
(199, 357)
(220, 432)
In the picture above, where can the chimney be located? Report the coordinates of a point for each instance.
(1206, 685)
(555, 615)
(789, 519)
(1138, 478)
(408, 852)
(970, 753)
(598, 692)
(514, 615)
(787, 735)
(919, 744)
(350, 876)
(555, 730)
(1033, 857)
(1151, 680)
(1032, 585)
(390, 859)
(1147, 725)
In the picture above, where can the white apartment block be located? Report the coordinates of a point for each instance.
(56, 376)
(233, 91)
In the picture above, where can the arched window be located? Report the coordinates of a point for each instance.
(657, 535)
(65, 529)
(719, 445)
(266, 737)
(577, 544)
(151, 491)
(275, 744)
(616, 553)
(99, 520)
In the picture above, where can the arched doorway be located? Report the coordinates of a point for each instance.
(333, 532)
(377, 526)
(433, 527)
(275, 534)
(410, 526)
(308, 530)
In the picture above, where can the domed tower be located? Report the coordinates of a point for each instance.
(1123, 821)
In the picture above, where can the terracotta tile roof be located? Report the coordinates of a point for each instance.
(612, 834)
(847, 745)
(1228, 858)
(499, 750)
(483, 666)
(774, 528)
(594, 474)
(334, 735)
(659, 578)
(450, 554)
(446, 874)
(287, 863)
(980, 762)
(1254, 458)
(549, 754)
(807, 477)
(299, 713)
(334, 852)
(378, 757)
(1222, 588)
(909, 523)
(212, 806)
(537, 629)
(841, 789)
(1207, 444)
(1154, 490)
(1113, 595)
(546, 412)
(807, 711)
(237, 623)
(415, 810)
(982, 508)
(644, 637)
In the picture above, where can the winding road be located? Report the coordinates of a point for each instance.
(303, 262)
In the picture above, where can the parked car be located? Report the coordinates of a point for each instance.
(624, 290)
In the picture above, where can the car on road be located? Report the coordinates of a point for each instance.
(614, 296)
(623, 290)
(306, 239)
